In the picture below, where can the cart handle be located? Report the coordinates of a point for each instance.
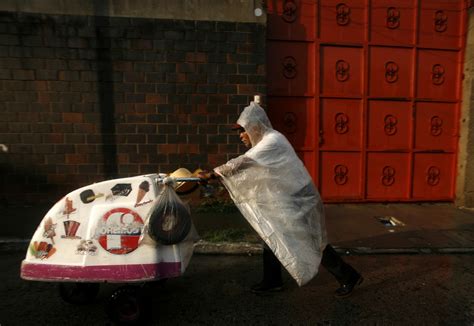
(186, 179)
(173, 181)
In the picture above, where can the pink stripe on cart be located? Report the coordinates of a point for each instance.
(107, 273)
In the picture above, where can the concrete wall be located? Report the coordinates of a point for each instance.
(211, 10)
(465, 176)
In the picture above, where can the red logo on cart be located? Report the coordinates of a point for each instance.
(119, 231)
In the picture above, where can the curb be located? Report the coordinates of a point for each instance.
(200, 247)
(359, 251)
(246, 248)
(243, 248)
(227, 248)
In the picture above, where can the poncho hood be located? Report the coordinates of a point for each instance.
(255, 121)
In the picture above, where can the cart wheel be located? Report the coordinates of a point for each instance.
(127, 306)
(78, 293)
(161, 230)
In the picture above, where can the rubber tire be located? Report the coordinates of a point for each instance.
(175, 235)
(78, 293)
(127, 306)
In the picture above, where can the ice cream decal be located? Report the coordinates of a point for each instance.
(88, 196)
(120, 189)
(42, 249)
(119, 230)
(68, 207)
(86, 247)
(70, 229)
(143, 188)
(49, 229)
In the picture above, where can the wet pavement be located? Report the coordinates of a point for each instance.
(397, 290)
(424, 228)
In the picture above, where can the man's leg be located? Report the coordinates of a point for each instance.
(271, 267)
(347, 276)
(272, 280)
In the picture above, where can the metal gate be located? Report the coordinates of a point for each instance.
(368, 93)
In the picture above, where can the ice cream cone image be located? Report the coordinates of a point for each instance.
(49, 228)
(68, 207)
(142, 190)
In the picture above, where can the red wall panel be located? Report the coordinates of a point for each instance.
(390, 125)
(438, 74)
(435, 126)
(341, 175)
(388, 176)
(342, 71)
(433, 176)
(295, 118)
(341, 125)
(291, 68)
(441, 23)
(343, 21)
(291, 20)
(391, 72)
(393, 22)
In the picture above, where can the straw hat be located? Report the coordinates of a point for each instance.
(183, 188)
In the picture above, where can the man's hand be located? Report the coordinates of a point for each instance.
(207, 175)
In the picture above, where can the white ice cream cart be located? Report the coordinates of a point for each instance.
(116, 231)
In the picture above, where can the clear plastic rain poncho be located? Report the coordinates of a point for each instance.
(274, 192)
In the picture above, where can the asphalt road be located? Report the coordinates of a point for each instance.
(398, 290)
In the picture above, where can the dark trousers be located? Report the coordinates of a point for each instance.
(331, 260)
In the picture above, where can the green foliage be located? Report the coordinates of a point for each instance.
(216, 206)
(226, 235)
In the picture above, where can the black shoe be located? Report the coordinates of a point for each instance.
(346, 289)
(266, 288)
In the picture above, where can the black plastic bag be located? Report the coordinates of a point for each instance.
(169, 221)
